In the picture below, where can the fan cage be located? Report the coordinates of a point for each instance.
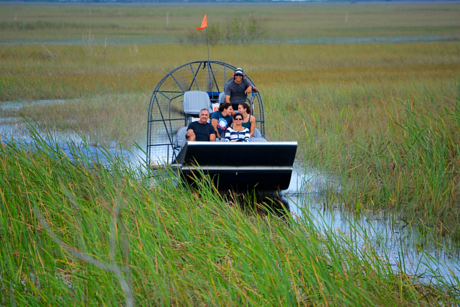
(166, 116)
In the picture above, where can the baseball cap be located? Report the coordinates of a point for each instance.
(238, 71)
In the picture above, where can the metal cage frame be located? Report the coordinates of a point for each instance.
(165, 114)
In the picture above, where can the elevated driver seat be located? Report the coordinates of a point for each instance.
(194, 102)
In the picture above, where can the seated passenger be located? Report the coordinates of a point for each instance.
(222, 119)
(237, 133)
(248, 120)
(201, 130)
(237, 89)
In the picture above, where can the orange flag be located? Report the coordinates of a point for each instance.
(204, 23)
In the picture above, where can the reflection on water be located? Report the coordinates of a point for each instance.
(17, 105)
(75, 146)
(391, 238)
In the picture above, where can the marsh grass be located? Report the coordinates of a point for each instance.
(383, 118)
(234, 31)
(398, 153)
(169, 23)
(56, 72)
(103, 119)
(75, 235)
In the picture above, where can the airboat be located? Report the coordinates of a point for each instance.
(177, 101)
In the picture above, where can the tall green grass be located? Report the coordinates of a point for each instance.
(390, 150)
(381, 118)
(103, 119)
(74, 235)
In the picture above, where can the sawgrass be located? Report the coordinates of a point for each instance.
(390, 150)
(73, 235)
(50, 72)
(383, 118)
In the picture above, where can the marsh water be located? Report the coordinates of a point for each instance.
(389, 236)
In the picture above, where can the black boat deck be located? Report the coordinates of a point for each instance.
(239, 166)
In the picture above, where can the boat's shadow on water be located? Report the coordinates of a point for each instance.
(259, 202)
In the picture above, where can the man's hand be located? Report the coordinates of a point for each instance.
(190, 136)
(248, 90)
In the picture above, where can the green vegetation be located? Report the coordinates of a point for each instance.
(383, 118)
(144, 23)
(72, 235)
(236, 31)
(392, 153)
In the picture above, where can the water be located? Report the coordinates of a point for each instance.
(391, 237)
(17, 105)
(74, 145)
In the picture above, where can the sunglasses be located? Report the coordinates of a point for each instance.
(238, 75)
(238, 118)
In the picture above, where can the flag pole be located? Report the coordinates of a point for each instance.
(204, 24)
(207, 41)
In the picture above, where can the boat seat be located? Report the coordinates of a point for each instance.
(257, 140)
(195, 101)
(221, 98)
(257, 133)
(180, 138)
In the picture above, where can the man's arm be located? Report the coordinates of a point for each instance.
(212, 137)
(212, 133)
(248, 87)
(227, 91)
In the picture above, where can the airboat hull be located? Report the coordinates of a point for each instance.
(239, 166)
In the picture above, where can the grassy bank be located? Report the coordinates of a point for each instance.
(72, 235)
(383, 118)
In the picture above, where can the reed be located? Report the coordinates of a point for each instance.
(110, 235)
(155, 22)
(381, 118)
(388, 152)
(103, 119)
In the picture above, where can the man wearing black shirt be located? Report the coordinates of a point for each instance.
(201, 130)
